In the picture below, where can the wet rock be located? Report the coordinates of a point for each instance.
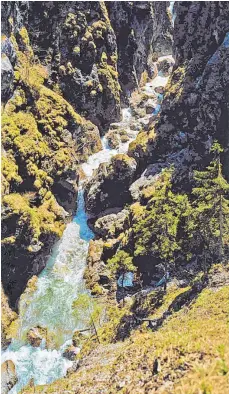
(152, 69)
(36, 335)
(8, 376)
(110, 184)
(113, 139)
(160, 89)
(66, 192)
(71, 352)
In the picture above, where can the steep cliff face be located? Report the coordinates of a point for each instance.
(198, 89)
(143, 31)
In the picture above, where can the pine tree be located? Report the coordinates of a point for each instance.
(156, 234)
(209, 221)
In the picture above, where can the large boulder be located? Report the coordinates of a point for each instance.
(71, 352)
(109, 187)
(8, 376)
(36, 335)
(110, 226)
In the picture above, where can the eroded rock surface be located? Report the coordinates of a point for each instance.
(8, 376)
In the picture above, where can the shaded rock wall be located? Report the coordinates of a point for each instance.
(195, 106)
(143, 30)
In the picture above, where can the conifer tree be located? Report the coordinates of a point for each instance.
(156, 233)
(209, 222)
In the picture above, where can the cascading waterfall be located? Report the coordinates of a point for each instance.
(50, 305)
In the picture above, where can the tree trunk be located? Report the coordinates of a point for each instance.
(96, 332)
(221, 229)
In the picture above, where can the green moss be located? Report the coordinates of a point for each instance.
(139, 148)
(175, 84)
(46, 219)
(109, 77)
(76, 50)
(10, 170)
(97, 289)
(24, 36)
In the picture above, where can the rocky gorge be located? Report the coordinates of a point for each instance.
(110, 111)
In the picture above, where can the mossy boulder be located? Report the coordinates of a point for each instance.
(110, 226)
(109, 187)
(142, 148)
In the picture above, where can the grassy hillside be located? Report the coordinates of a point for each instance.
(188, 352)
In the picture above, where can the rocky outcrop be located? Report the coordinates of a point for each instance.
(7, 318)
(143, 31)
(36, 335)
(8, 376)
(111, 225)
(71, 352)
(109, 187)
(96, 272)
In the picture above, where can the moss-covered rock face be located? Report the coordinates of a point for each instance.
(77, 43)
(44, 140)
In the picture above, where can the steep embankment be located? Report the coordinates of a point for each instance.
(59, 73)
(188, 353)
